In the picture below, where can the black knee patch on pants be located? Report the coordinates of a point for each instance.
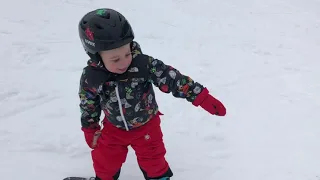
(166, 174)
(115, 177)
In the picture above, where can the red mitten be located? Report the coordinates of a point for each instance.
(209, 103)
(91, 136)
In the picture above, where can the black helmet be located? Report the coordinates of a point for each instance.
(104, 29)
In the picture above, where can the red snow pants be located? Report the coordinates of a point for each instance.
(112, 149)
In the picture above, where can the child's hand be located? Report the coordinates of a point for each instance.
(209, 103)
(91, 137)
(95, 139)
(213, 106)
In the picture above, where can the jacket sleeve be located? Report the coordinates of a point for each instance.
(168, 79)
(89, 104)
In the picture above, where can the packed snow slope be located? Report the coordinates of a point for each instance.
(261, 58)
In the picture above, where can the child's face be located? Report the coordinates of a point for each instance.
(117, 60)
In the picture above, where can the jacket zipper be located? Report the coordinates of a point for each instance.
(120, 108)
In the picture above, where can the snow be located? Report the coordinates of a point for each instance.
(260, 58)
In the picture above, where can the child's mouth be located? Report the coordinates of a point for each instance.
(123, 69)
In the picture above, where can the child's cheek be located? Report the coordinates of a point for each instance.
(129, 61)
(111, 67)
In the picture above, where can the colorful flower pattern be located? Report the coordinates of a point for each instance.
(98, 90)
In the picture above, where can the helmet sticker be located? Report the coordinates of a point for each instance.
(101, 12)
(89, 34)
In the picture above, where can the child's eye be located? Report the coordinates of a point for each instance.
(116, 60)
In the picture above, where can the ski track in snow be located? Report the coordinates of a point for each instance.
(260, 58)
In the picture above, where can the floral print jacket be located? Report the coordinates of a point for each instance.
(128, 100)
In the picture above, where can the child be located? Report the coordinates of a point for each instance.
(118, 80)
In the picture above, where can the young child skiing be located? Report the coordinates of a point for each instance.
(119, 80)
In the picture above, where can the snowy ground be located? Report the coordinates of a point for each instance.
(261, 58)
